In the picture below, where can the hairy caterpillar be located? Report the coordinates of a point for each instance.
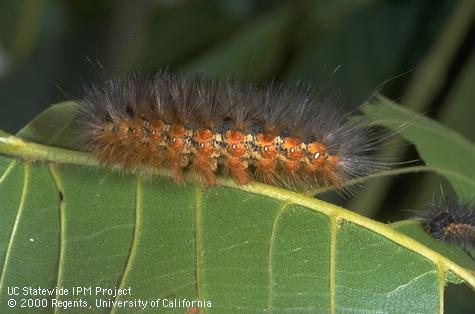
(451, 221)
(276, 134)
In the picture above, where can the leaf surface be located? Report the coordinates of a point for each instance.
(445, 151)
(68, 222)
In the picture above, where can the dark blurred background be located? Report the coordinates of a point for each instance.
(418, 52)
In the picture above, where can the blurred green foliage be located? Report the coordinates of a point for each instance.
(419, 53)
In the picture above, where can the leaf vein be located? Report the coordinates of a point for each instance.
(332, 285)
(133, 247)
(61, 236)
(271, 250)
(198, 244)
(6, 258)
(8, 170)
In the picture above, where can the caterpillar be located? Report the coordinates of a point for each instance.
(285, 135)
(451, 221)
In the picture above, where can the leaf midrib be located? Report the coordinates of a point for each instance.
(341, 214)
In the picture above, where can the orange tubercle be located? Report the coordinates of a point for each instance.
(177, 130)
(232, 136)
(204, 138)
(266, 142)
(293, 147)
(235, 143)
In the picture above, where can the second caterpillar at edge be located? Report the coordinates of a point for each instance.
(450, 220)
(276, 134)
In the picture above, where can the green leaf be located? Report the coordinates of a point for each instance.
(67, 222)
(445, 151)
(54, 126)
